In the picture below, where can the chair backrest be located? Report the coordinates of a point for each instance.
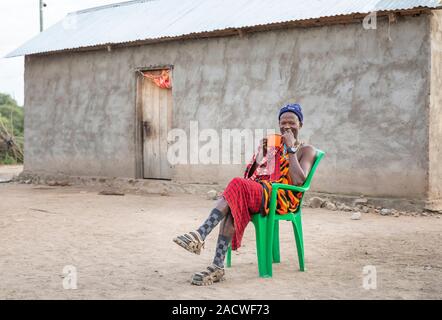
(319, 155)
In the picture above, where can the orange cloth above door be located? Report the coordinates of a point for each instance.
(161, 78)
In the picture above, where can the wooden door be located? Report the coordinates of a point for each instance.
(157, 121)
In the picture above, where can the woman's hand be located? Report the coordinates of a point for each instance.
(289, 138)
(262, 150)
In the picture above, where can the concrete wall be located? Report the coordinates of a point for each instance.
(364, 94)
(435, 123)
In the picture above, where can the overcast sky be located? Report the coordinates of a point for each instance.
(19, 22)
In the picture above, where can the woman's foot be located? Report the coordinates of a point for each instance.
(191, 241)
(209, 276)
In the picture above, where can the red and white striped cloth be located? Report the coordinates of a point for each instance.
(244, 197)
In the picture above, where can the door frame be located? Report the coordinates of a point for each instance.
(138, 127)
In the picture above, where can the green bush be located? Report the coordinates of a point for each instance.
(7, 159)
(11, 120)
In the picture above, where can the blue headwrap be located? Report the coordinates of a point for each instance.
(295, 108)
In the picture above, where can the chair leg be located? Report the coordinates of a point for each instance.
(276, 253)
(229, 256)
(261, 250)
(297, 229)
(270, 246)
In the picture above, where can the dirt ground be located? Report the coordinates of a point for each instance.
(121, 248)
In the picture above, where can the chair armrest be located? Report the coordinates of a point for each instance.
(276, 186)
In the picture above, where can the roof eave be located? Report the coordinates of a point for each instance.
(307, 23)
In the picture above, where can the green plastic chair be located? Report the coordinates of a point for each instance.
(267, 227)
(260, 223)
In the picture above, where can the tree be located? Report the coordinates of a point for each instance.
(11, 130)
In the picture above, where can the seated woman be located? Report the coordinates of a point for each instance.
(288, 162)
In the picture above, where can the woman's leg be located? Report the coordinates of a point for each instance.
(215, 272)
(194, 240)
(226, 231)
(216, 215)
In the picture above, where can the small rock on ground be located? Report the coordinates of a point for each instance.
(356, 216)
(316, 202)
(330, 206)
(212, 195)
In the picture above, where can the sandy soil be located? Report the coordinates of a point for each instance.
(121, 247)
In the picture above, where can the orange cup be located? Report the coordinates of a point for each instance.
(274, 140)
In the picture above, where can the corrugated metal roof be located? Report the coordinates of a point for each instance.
(156, 19)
